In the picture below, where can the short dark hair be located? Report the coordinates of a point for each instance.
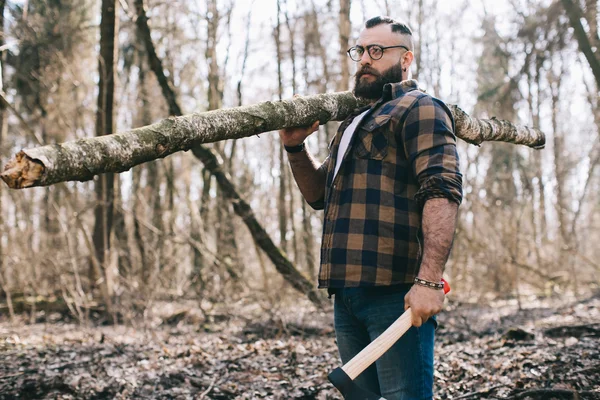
(397, 26)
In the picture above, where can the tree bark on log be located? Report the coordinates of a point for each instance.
(82, 159)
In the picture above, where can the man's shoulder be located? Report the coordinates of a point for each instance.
(410, 97)
(396, 107)
(413, 99)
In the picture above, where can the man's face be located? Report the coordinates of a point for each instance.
(372, 75)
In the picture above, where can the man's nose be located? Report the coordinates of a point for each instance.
(365, 59)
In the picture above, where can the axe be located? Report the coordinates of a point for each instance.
(343, 377)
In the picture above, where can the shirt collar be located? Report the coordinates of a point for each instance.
(399, 89)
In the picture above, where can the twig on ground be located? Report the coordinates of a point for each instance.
(479, 393)
(210, 387)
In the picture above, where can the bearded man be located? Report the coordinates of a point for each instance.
(390, 188)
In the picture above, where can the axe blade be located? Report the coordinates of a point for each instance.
(348, 388)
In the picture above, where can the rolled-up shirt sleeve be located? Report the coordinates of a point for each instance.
(430, 147)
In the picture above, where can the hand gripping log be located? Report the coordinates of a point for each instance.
(343, 378)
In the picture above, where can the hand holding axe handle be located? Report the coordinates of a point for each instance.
(343, 378)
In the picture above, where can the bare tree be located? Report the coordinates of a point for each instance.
(3, 119)
(281, 203)
(588, 41)
(150, 255)
(285, 167)
(104, 126)
(3, 128)
(225, 232)
(419, 45)
(245, 56)
(345, 27)
(313, 34)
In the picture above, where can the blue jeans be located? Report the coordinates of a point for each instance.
(405, 371)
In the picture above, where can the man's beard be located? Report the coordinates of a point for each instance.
(373, 90)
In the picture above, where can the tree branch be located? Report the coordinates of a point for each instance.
(575, 15)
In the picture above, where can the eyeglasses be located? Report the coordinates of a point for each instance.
(375, 51)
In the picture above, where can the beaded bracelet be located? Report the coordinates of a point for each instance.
(432, 285)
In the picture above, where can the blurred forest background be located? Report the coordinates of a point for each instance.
(202, 310)
(529, 223)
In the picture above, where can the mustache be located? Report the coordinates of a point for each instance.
(367, 70)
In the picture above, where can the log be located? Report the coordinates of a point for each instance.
(82, 159)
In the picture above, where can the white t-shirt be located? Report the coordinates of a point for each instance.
(346, 138)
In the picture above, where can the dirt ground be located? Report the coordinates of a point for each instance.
(548, 349)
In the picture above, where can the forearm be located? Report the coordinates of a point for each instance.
(438, 225)
(309, 175)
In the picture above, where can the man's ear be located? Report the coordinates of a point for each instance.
(407, 60)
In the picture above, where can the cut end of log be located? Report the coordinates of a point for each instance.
(22, 172)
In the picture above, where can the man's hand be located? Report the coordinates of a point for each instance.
(296, 135)
(424, 303)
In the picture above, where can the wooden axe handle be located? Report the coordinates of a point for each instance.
(377, 347)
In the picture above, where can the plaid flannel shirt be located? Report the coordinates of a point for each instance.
(402, 153)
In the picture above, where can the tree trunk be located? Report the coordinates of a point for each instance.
(320, 48)
(561, 171)
(345, 29)
(419, 43)
(315, 37)
(292, 212)
(281, 204)
(104, 187)
(3, 125)
(205, 198)
(215, 94)
(586, 44)
(292, 32)
(3, 119)
(145, 265)
(591, 14)
(226, 243)
(246, 51)
(538, 156)
(155, 63)
(538, 215)
(150, 248)
(285, 168)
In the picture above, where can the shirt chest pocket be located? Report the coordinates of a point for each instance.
(372, 139)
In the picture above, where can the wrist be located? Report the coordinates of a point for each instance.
(294, 148)
(434, 284)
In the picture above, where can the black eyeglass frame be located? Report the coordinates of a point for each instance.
(371, 46)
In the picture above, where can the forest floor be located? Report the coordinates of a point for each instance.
(548, 348)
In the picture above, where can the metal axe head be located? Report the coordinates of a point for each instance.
(348, 388)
